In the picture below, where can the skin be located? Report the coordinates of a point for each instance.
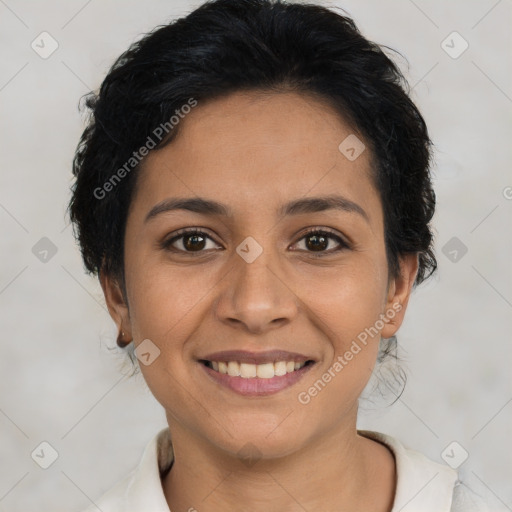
(254, 152)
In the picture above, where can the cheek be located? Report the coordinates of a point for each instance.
(347, 306)
(347, 299)
(165, 307)
(165, 299)
(348, 309)
(168, 304)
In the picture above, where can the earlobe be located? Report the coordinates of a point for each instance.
(399, 291)
(116, 303)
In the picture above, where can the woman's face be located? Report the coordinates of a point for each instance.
(254, 280)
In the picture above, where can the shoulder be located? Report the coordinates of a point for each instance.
(141, 489)
(424, 485)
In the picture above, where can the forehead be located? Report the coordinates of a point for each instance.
(253, 149)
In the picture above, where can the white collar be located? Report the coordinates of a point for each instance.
(422, 484)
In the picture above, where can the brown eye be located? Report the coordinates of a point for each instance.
(319, 240)
(194, 242)
(191, 241)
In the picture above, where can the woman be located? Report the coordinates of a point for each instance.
(253, 191)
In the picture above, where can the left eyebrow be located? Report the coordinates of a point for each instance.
(320, 204)
(297, 207)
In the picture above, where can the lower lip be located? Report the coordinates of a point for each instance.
(256, 386)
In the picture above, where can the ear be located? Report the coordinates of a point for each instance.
(399, 291)
(116, 303)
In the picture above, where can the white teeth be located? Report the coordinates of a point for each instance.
(247, 371)
(265, 371)
(233, 369)
(280, 368)
(250, 371)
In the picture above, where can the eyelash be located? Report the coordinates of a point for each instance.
(314, 231)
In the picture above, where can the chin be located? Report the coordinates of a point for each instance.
(261, 436)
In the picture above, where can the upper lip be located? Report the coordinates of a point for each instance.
(269, 356)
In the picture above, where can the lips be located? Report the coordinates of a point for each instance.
(256, 372)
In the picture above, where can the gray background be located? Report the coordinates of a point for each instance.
(62, 378)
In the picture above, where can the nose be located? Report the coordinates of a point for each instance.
(257, 297)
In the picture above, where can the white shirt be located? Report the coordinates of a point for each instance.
(422, 484)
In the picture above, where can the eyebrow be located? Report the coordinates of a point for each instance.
(298, 207)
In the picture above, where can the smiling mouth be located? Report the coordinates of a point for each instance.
(253, 371)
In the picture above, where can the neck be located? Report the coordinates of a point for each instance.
(335, 472)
